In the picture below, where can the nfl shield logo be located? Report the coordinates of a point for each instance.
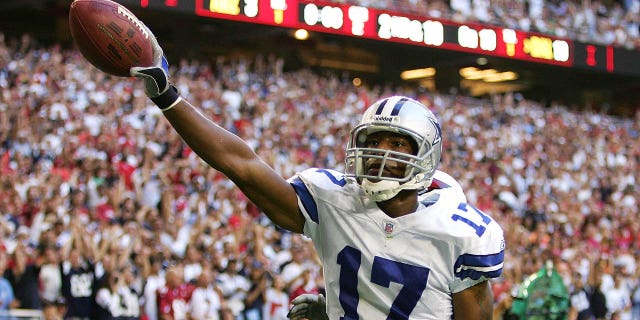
(388, 228)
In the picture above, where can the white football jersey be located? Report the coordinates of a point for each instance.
(378, 267)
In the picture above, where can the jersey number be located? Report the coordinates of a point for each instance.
(383, 272)
(464, 207)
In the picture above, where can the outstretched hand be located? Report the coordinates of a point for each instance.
(156, 76)
(308, 306)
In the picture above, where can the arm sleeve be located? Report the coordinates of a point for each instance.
(481, 258)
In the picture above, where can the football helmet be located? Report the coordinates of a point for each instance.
(401, 115)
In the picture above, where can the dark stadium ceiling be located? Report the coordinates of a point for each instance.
(35, 4)
(373, 61)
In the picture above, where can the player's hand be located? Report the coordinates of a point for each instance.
(156, 76)
(308, 306)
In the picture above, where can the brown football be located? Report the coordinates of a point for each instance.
(109, 36)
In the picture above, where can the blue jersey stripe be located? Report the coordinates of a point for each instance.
(468, 265)
(482, 261)
(396, 108)
(307, 200)
(477, 274)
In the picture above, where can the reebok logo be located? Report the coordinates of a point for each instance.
(383, 118)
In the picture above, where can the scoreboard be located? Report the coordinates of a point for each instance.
(383, 25)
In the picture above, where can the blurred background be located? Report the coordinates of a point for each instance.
(107, 214)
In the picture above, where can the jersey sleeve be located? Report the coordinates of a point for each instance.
(480, 258)
(316, 188)
(479, 239)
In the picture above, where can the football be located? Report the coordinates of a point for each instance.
(109, 36)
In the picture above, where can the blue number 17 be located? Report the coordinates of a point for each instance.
(464, 208)
(383, 272)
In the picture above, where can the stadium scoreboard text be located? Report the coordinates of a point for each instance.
(383, 25)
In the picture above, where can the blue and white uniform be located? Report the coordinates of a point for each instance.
(378, 267)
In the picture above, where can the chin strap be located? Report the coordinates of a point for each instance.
(386, 189)
(380, 190)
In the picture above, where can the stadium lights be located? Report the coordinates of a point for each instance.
(301, 34)
(468, 71)
(487, 75)
(473, 73)
(502, 76)
(418, 73)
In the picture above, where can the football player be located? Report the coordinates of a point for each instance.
(396, 237)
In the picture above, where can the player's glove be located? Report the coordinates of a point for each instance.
(308, 306)
(156, 78)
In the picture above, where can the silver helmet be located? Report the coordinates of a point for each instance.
(401, 115)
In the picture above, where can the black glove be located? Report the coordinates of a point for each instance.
(156, 78)
(308, 306)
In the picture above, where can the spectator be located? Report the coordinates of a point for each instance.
(154, 280)
(116, 299)
(107, 298)
(7, 298)
(192, 263)
(78, 285)
(78, 280)
(306, 285)
(107, 268)
(129, 294)
(256, 295)
(293, 272)
(206, 302)
(173, 298)
(234, 286)
(597, 299)
(276, 305)
(23, 276)
(619, 298)
(580, 308)
(54, 311)
(50, 277)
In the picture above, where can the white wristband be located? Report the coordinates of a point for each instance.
(172, 105)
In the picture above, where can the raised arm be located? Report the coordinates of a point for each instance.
(221, 149)
(230, 155)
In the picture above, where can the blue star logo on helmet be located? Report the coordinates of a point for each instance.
(438, 131)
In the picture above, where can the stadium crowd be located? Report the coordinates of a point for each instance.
(604, 22)
(104, 209)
